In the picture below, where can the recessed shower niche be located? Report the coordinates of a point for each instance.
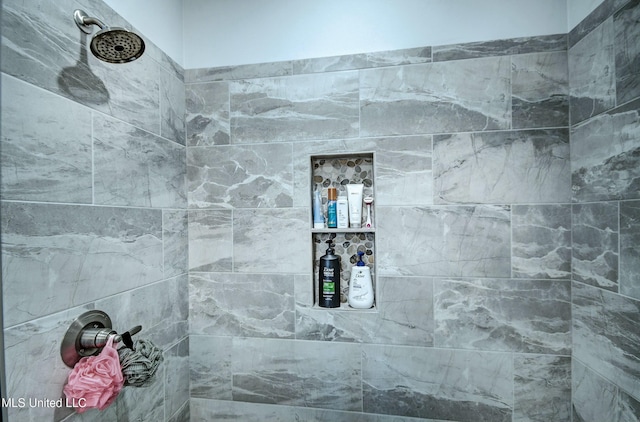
(337, 171)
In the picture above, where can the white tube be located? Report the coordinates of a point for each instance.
(354, 193)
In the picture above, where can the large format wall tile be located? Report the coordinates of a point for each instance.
(542, 388)
(541, 241)
(214, 410)
(606, 335)
(363, 61)
(403, 315)
(207, 109)
(136, 168)
(163, 316)
(31, 350)
(175, 241)
(320, 106)
(596, 399)
(605, 156)
(297, 373)
(172, 107)
(444, 241)
(210, 240)
(630, 249)
(528, 316)
(245, 71)
(436, 97)
(504, 47)
(540, 90)
(271, 241)
(437, 384)
(592, 81)
(242, 305)
(240, 176)
(54, 256)
(595, 244)
(210, 366)
(49, 160)
(627, 52)
(529, 166)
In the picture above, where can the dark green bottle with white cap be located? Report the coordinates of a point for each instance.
(329, 279)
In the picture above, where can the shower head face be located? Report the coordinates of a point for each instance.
(117, 45)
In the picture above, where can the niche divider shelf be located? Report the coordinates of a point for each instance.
(338, 170)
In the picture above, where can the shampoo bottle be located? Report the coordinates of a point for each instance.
(332, 216)
(360, 285)
(329, 279)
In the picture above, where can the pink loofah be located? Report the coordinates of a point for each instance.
(95, 381)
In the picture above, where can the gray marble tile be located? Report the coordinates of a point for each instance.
(34, 367)
(444, 241)
(436, 97)
(439, 384)
(207, 114)
(305, 107)
(172, 108)
(46, 146)
(140, 403)
(404, 315)
(627, 52)
(503, 47)
(540, 90)
(542, 388)
(596, 399)
(182, 415)
(158, 307)
(297, 373)
(242, 305)
(606, 335)
(52, 262)
(630, 249)
(595, 244)
(247, 71)
(605, 152)
(591, 76)
(528, 316)
(210, 240)
(271, 241)
(210, 366)
(211, 410)
(541, 241)
(363, 60)
(134, 167)
(528, 166)
(175, 239)
(240, 176)
(593, 20)
(403, 170)
(176, 382)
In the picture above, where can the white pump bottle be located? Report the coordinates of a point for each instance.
(360, 285)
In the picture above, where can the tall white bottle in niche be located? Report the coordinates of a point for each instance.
(360, 285)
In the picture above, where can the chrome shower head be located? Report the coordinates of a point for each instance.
(112, 45)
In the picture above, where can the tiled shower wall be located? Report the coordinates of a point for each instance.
(476, 195)
(93, 206)
(604, 75)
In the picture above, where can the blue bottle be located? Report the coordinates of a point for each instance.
(332, 215)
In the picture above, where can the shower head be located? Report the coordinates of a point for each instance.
(112, 45)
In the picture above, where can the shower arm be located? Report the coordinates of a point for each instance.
(85, 21)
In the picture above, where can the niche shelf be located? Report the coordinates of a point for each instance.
(338, 170)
